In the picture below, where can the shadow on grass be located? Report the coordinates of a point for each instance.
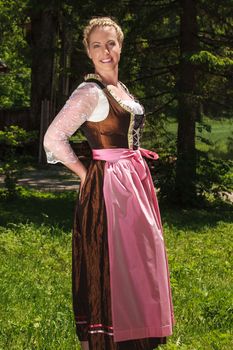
(56, 209)
(197, 219)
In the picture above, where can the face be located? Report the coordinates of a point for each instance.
(104, 48)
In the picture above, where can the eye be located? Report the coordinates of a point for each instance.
(96, 46)
(111, 43)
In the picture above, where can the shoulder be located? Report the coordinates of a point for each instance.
(86, 88)
(85, 93)
(93, 95)
(91, 98)
(91, 89)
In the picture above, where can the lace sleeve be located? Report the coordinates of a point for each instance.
(75, 112)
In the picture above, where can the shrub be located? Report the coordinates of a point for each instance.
(12, 157)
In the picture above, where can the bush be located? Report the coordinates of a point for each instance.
(214, 176)
(12, 157)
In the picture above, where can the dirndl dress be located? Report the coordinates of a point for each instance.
(120, 278)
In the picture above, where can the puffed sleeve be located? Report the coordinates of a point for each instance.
(75, 112)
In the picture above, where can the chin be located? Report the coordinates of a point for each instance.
(106, 68)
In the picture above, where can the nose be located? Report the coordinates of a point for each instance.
(106, 49)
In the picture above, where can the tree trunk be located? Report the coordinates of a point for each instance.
(187, 106)
(65, 36)
(43, 42)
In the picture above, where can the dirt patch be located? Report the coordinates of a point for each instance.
(50, 178)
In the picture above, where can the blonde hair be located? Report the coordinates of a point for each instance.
(101, 22)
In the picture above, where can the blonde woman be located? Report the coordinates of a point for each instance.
(121, 289)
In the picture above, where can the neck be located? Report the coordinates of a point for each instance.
(109, 78)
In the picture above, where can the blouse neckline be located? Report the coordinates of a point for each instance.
(122, 102)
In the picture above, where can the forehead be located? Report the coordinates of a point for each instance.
(102, 33)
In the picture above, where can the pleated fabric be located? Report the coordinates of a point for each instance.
(139, 276)
(91, 270)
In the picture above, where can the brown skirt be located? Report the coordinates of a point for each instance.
(90, 270)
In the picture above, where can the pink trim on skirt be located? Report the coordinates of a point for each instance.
(139, 276)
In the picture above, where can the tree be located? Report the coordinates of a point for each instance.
(177, 59)
(182, 68)
(185, 186)
(43, 43)
(15, 83)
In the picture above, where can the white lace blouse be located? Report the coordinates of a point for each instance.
(87, 103)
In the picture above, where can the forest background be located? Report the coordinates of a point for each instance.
(177, 60)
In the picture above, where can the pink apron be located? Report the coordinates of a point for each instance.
(139, 277)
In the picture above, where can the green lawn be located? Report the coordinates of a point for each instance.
(219, 129)
(216, 135)
(35, 274)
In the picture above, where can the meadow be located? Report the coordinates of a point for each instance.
(214, 136)
(35, 274)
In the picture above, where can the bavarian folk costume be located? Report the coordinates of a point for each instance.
(120, 277)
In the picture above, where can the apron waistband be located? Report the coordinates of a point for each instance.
(113, 155)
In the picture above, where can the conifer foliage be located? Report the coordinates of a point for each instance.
(177, 59)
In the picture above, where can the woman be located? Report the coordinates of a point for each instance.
(121, 290)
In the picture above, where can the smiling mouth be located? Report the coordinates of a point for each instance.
(107, 60)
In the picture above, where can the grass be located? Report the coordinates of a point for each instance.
(199, 249)
(35, 293)
(35, 258)
(218, 145)
(35, 274)
(216, 135)
(220, 128)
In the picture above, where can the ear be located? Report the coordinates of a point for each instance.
(120, 47)
(88, 53)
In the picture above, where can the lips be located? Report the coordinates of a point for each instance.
(107, 60)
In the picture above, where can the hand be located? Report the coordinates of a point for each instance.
(84, 345)
(82, 180)
(81, 184)
(80, 170)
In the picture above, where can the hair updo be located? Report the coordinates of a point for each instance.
(101, 22)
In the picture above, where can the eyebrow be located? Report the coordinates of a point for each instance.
(98, 42)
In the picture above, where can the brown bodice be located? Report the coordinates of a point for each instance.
(117, 130)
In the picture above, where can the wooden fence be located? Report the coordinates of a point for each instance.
(20, 117)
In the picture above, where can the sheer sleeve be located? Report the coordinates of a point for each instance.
(75, 112)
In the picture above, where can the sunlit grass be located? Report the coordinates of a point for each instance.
(35, 274)
(216, 134)
(35, 308)
(200, 263)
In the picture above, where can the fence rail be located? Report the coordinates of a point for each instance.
(20, 117)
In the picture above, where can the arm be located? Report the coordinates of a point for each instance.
(76, 111)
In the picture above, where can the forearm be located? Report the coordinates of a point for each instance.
(61, 151)
(78, 168)
(76, 111)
